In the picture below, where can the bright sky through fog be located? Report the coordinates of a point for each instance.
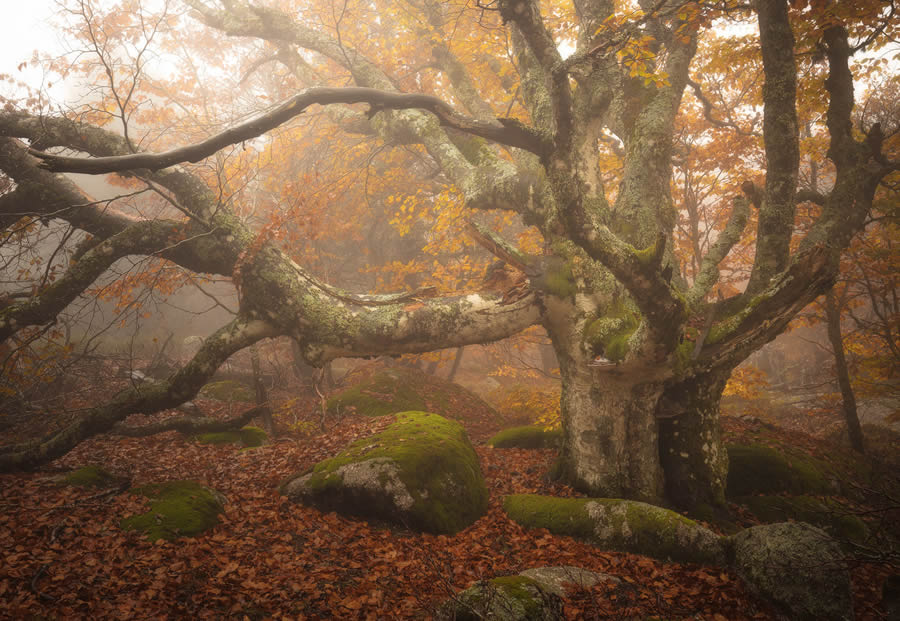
(24, 28)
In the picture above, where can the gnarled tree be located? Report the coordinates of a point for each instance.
(644, 354)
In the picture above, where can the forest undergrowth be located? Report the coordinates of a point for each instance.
(65, 557)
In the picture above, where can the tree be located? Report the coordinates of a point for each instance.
(644, 354)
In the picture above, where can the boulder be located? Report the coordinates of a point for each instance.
(796, 566)
(177, 509)
(759, 469)
(421, 472)
(229, 391)
(392, 390)
(825, 513)
(624, 525)
(527, 436)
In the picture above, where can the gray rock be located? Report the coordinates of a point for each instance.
(798, 567)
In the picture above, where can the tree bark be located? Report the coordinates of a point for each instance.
(690, 442)
(833, 316)
(610, 434)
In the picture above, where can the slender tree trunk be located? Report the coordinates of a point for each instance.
(259, 387)
(833, 316)
(692, 455)
(457, 360)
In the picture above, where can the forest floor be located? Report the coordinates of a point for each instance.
(65, 557)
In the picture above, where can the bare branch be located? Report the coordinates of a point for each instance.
(708, 274)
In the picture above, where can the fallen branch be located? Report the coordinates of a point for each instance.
(190, 426)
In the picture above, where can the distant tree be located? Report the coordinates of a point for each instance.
(578, 147)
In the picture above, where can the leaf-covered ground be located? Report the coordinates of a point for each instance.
(64, 556)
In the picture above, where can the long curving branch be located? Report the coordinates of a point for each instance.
(504, 131)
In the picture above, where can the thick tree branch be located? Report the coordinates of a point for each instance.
(526, 15)
(193, 196)
(781, 134)
(414, 328)
(502, 249)
(191, 426)
(46, 194)
(142, 399)
(810, 273)
(139, 238)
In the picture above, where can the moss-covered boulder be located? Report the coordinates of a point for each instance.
(177, 509)
(507, 598)
(392, 390)
(527, 436)
(796, 566)
(759, 469)
(824, 513)
(421, 472)
(246, 437)
(624, 525)
(228, 390)
(91, 476)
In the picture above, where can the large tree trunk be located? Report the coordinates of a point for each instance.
(610, 446)
(690, 444)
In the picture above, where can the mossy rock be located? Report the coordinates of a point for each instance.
(393, 390)
(528, 436)
(826, 514)
(421, 472)
(177, 509)
(228, 390)
(759, 469)
(91, 476)
(506, 598)
(798, 567)
(718, 516)
(247, 437)
(624, 525)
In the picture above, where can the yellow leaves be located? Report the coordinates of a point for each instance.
(746, 381)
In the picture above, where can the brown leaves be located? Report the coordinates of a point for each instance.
(270, 558)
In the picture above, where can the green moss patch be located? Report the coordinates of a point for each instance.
(247, 437)
(420, 472)
(90, 476)
(393, 390)
(528, 436)
(177, 509)
(758, 469)
(228, 390)
(608, 336)
(824, 513)
(623, 525)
